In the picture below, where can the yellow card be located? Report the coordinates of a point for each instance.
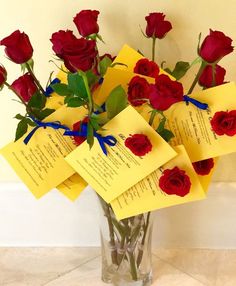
(129, 57)
(72, 187)
(40, 164)
(191, 126)
(147, 196)
(114, 174)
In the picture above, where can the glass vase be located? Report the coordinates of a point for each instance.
(126, 248)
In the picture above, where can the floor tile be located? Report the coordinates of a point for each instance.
(89, 274)
(37, 266)
(227, 269)
(202, 265)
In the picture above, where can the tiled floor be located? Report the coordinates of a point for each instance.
(81, 267)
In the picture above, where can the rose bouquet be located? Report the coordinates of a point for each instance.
(135, 117)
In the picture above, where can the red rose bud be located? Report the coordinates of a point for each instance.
(157, 26)
(86, 22)
(175, 182)
(18, 47)
(60, 39)
(165, 92)
(3, 76)
(147, 68)
(25, 87)
(203, 167)
(139, 144)
(224, 123)
(215, 46)
(206, 78)
(138, 91)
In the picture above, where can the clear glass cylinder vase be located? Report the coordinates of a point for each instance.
(126, 248)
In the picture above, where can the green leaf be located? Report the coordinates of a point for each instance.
(116, 102)
(76, 84)
(19, 116)
(180, 70)
(90, 136)
(74, 101)
(30, 122)
(94, 122)
(21, 129)
(166, 134)
(104, 64)
(61, 89)
(38, 101)
(91, 77)
(42, 114)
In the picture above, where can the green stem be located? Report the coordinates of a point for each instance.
(153, 48)
(152, 117)
(106, 209)
(90, 98)
(34, 77)
(203, 64)
(133, 268)
(140, 254)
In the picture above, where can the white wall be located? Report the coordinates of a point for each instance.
(55, 221)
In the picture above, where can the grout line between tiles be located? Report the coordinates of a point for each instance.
(165, 261)
(71, 270)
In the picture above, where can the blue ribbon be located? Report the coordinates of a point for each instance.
(103, 141)
(195, 102)
(49, 90)
(54, 125)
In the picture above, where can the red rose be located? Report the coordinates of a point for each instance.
(157, 27)
(3, 76)
(206, 78)
(25, 87)
(215, 46)
(18, 47)
(77, 54)
(138, 91)
(203, 167)
(146, 67)
(175, 182)
(60, 39)
(86, 22)
(165, 92)
(77, 127)
(139, 144)
(224, 123)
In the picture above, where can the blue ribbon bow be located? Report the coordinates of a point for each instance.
(49, 90)
(39, 124)
(195, 102)
(103, 141)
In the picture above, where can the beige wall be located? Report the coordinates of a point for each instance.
(119, 24)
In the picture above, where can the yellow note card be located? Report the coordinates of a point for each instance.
(129, 57)
(72, 187)
(191, 125)
(147, 196)
(40, 164)
(115, 173)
